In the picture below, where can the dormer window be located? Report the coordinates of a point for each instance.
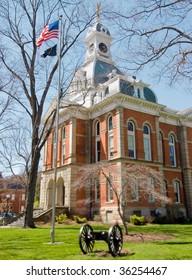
(138, 93)
(104, 29)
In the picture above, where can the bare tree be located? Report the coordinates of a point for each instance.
(157, 33)
(134, 179)
(4, 111)
(32, 79)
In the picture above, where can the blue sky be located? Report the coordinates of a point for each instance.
(178, 96)
(174, 98)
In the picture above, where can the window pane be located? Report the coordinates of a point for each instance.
(177, 191)
(64, 133)
(130, 126)
(172, 151)
(138, 93)
(146, 129)
(98, 150)
(98, 129)
(111, 146)
(147, 149)
(110, 123)
(131, 146)
(171, 139)
(63, 153)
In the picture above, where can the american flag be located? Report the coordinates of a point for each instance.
(50, 31)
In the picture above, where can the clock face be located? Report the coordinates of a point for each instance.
(103, 48)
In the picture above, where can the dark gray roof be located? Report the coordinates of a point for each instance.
(126, 88)
(102, 70)
(101, 28)
(149, 95)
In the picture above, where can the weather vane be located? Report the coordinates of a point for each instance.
(98, 12)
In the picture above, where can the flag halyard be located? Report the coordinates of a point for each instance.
(50, 31)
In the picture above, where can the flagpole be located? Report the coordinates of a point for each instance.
(56, 133)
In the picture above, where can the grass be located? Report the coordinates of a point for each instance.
(34, 244)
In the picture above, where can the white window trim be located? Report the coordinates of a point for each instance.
(63, 145)
(176, 187)
(98, 139)
(110, 136)
(148, 138)
(172, 144)
(131, 133)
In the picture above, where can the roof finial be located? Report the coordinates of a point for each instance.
(98, 12)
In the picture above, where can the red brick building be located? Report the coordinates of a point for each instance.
(120, 121)
(12, 200)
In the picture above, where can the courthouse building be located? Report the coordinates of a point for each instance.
(120, 121)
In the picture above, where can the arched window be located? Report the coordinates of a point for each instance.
(110, 137)
(177, 191)
(98, 142)
(138, 93)
(172, 153)
(131, 140)
(147, 142)
(63, 138)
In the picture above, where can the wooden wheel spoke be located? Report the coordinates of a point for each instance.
(115, 240)
(86, 241)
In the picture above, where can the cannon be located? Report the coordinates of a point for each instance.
(114, 239)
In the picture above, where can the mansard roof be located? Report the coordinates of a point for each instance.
(102, 70)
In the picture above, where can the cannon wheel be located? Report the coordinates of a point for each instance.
(115, 240)
(86, 241)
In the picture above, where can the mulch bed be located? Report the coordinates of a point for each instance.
(146, 237)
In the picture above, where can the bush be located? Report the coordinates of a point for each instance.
(61, 219)
(97, 218)
(161, 220)
(80, 220)
(136, 220)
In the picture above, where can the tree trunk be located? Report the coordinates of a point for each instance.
(122, 218)
(29, 222)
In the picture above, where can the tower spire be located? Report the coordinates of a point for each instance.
(98, 12)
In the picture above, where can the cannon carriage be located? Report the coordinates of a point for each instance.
(114, 239)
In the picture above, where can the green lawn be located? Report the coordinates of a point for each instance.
(34, 244)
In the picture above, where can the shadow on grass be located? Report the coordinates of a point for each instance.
(177, 243)
(103, 253)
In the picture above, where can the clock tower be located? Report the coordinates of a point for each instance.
(98, 42)
(97, 68)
